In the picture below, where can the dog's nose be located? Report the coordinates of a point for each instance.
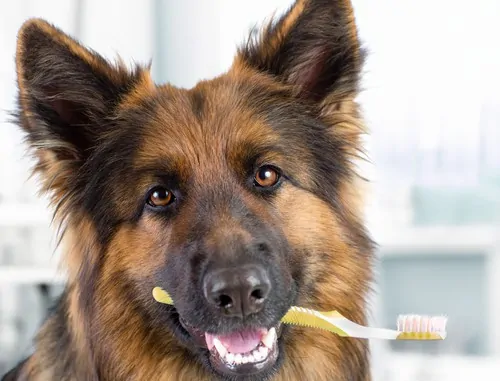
(237, 292)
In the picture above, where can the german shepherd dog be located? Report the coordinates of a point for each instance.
(240, 197)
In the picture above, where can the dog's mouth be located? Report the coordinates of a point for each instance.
(243, 352)
(239, 353)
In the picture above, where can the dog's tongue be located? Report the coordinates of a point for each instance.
(238, 342)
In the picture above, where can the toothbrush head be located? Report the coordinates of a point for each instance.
(421, 327)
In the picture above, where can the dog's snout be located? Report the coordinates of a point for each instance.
(237, 292)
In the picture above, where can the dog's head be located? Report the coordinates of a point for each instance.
(236, 196)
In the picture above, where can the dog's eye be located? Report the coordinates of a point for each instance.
(267, 176)
(160, 197)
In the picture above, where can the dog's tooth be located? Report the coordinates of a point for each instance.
(244, 359)
(269, 339)
(250, 358)
(230, 357)
(238, 358)
(257, 355)
(264, 352)
(220, 348)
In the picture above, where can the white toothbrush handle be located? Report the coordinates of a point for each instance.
(361, 332)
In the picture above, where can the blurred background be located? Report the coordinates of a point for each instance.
(432, 103)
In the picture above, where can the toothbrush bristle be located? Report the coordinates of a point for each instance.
(421, 323)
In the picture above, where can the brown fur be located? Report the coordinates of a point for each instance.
(102, 328)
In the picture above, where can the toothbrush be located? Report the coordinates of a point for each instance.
(409, 327)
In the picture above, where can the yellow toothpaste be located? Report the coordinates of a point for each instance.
(409, 327)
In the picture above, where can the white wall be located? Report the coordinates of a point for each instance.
(198, 38)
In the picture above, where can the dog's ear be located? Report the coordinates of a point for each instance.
(67, 93)
(313, 47)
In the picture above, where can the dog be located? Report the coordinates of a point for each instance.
(240, 196)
